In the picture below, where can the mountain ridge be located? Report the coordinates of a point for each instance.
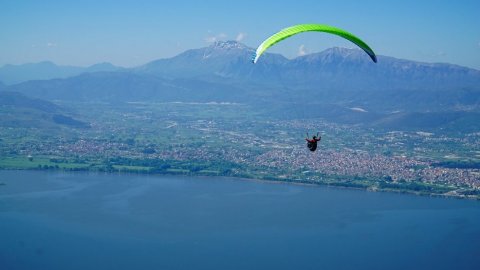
(18, 110)
(329, 68)
(335, 79)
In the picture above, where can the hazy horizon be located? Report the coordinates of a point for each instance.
(151, 60)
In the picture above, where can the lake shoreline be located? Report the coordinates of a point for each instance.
(339, 185)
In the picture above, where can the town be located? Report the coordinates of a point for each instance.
(230, 140)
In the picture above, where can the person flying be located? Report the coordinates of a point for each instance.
(312, 143)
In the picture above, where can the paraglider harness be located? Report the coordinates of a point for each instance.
(312, 144)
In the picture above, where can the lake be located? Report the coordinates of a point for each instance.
(54, 220)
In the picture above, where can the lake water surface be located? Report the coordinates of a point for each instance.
(105, 221)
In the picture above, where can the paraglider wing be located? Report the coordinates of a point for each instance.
(296, 29)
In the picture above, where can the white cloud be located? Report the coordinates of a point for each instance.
(241, 36)
(301, 50)
(45, 45)
(212, 38)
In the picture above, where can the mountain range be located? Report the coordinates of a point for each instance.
(339, 84)
(332, 68)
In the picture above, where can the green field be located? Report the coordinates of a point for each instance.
(239, 141)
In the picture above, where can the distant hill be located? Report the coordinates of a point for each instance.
(17, 110)
(12, 74)
(128, 86)
(456, 121)
(448, 120)
(19, 100)
(394, 93)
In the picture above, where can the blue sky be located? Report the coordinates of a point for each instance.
(130, 33)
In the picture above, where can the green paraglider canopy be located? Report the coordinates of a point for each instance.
(296, 29)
